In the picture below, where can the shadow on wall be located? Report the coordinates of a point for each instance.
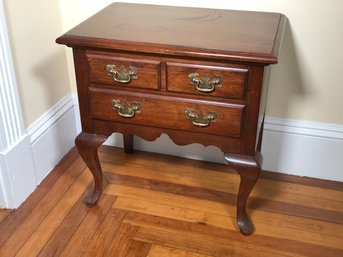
(286, 80)
(53, 75)
(49, 80)
(286, 83)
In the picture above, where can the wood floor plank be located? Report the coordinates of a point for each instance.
(121, 240)
(139, 194)
(175, 212)
(222, 223)
(299, 189)
(67, 169)
(170, 165)
(103, 237)
(138, 249)
(201, 167)
(182, 179)
(221, 209)
(18, 234)
(275, 205)
(160, 251)
(201, 245)
(222, 172)
(296, 210)
(65, 230)
(89, 226)
(45, 230)
(266, 243)
(171, 188)
(313, 198)
(4, 214)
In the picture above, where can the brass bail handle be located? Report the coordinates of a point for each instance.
(121, 75)
(205, 85)
(126, 110)
(199, 118)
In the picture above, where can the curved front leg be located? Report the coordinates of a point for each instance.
(249, 170)
(87, 145)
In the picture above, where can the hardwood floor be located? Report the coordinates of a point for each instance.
(161, 206)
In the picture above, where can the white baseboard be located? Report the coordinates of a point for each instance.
(52, 136)
(303, 148)
(47, 140)
(18, 178)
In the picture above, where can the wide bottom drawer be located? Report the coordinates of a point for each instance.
(167, 112)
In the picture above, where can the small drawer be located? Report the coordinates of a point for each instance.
(212, 80)
(167, 112)
(124, 71)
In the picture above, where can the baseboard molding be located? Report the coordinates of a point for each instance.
(50, 118)
(303, 148)
(52, 136)
(45, 143)
(304, 128)
(17, 173)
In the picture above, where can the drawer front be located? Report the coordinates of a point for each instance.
(219, 81)
(167, 112)
(123, 71)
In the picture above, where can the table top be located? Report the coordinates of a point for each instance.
(229, 34)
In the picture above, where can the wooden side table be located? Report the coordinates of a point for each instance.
(195, 74)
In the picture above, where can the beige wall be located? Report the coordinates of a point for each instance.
(71, 18)
(40, 64)
(307, 83)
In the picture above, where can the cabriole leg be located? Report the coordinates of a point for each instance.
(87, 145)
(249, 170)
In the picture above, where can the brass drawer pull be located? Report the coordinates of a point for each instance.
(122, 76)
(126, 110)
(205, 85)
(200, 119)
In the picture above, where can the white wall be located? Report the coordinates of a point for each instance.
(40, 64)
